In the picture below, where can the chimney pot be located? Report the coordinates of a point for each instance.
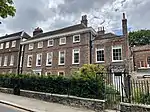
(84, 20)
(37, 31)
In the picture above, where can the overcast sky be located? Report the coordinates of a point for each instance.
(53, 14)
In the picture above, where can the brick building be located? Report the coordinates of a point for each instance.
(65, 50)
(10, 52)
(141, 60)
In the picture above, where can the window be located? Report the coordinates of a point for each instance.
(7, 45)
(31, 45)
(12, 60)
(99, 55)
(61, 57)
(13, 43)
(40, 44)
(38, 59)
(50, 42)
(142, 64)
(148, 61)
(76, 56)
(117, 53)
(29, 61)
(49, 59)
(0, 61)
(48, 73)
(61, 73)
(21, 61)
(1, 45)
(62, 41)
(5, 60)
(76, 38)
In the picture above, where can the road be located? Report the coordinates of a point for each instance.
(5, 108)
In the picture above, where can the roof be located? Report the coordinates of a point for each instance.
(107, 36)
(25, 35)
(59, 31)
(141, 48)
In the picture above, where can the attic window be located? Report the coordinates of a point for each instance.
(62, 41)
(40, 44)
(76, 38)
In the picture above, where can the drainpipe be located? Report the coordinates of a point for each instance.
(91, 48)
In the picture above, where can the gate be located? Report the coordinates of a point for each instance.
(117, 89)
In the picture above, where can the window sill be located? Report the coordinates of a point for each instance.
(76, 42)
(100, 61)
(29, 66)
(117, 60)
(38, 65)
(50, 46)
(61, 64)
(62, 44)
(75, 63)
(48, 65)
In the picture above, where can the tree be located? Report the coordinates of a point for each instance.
(141, 37)
(7, 8)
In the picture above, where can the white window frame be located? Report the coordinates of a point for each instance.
(49, 45)
(60, 72)
(21, 61)
(73, 51)
(28, 61)
(74, 39)
(141, 65)
(47, 59)
(37, 59)
(41, 42)
(7, 45)
(31, 46)
(117, 47)
(1, 45)
(5, 60)
(13, 43)
(64, 57)
(48, 72)
(0, 60)
(12, 58)
(60, 41)
(99, 49)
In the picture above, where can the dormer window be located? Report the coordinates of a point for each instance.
(62, 41)
(76, 38)
(40, 44)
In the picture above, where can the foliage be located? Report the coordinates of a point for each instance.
(7, 8)
(88, 71)
(141, 37)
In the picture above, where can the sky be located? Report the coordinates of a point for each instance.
(54, 14)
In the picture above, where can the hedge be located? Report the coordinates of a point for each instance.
(88, 88)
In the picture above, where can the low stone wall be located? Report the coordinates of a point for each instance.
(93, 104)
(127, 107)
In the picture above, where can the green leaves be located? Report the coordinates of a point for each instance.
(141, 37)
(7, 8)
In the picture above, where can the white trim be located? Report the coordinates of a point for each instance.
(13, 44)
(37, 55)
(48, 45)
(60, 41)
(73, 56)
(28, 60)
(74, 38)
(59, 58)
(38, 46)
(99, 49)
(62, 72)
(0, 60)
(47, 58)
(60, 35)
(117, 47)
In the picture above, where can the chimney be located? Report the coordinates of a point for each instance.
(84, 20)
(101, 31)
(124, 26)
(37, 31)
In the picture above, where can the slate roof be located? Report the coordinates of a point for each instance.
(15, 34)
(107, 36)
(59, 31)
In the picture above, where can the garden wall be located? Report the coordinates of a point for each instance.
(93, 104)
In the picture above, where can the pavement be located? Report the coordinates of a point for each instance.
(33, 105)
